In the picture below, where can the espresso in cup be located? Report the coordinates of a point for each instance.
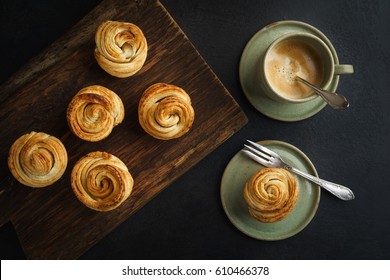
(288, 59)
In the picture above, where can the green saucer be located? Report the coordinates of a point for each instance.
(241, 168)
(251, 57)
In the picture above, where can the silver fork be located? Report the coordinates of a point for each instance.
(268, 158)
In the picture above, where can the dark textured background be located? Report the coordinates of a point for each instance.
(351, 147)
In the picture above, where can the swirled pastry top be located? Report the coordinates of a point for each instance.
(37, 159)
(121, 48)
(101, 181)
(165, 111)
(93, 113)
(271, 194)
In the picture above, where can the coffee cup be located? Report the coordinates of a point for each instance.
(298, 54)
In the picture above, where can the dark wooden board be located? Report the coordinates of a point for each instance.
(50, 222)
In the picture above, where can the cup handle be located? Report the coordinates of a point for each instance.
(340, 69)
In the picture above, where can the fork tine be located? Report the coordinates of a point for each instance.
(258, 152)
(263, 149)
(256, 158)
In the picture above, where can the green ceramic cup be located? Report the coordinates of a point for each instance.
(301, 54)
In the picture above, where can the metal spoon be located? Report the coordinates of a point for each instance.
(335, 100)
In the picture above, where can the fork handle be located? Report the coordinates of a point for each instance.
(340, 191)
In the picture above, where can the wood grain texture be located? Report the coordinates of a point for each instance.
(51, 223)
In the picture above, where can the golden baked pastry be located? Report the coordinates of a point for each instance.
(93, 113)
(165, 111)
(271, 194)
(37, 159)
(101, 181)
(121, 48)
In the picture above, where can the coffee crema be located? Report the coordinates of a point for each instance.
(291, 58)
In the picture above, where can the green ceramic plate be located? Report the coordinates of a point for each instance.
(253, 55)
(238, 172)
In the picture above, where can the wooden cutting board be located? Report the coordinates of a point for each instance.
(50, 222)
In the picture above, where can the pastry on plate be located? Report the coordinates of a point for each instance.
(271, 194)
(37, 159)
(165, 111)
(121, 48)
(101, 181)
(93, 112)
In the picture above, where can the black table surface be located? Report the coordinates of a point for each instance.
(351, 147)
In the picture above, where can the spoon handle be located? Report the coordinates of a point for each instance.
(335, 100)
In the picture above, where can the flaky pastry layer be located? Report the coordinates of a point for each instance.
(101, 181)
(121, 48)
(93, 112)
(165, 111)
(37, 159)
(271, 194)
